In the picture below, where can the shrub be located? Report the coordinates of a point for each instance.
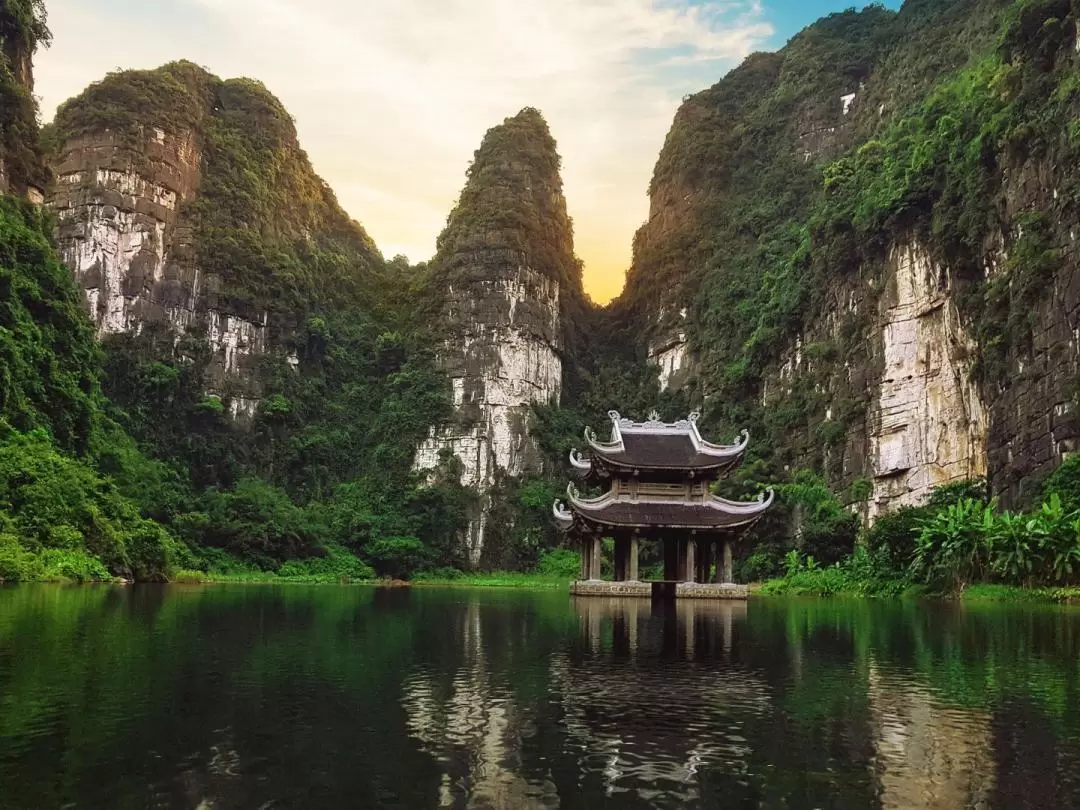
(397, 557)
(72, 564)
(895, 534)
(16, 563)
(336, 565)
(760, 564)
(952, 548)
(564, 563)
(54, 501)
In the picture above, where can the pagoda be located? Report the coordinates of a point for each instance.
(658, 477)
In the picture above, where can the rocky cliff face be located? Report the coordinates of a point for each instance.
(124, 234)
(506, 277)
(895, 324)
(161, 234)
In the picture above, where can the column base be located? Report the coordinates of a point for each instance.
(683, 590)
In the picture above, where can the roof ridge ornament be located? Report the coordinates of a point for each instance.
(579, 462)
(654, 415)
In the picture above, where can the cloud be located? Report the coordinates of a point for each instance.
(391, 97)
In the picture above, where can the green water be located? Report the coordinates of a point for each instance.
(310, 697)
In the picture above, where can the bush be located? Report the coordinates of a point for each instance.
(16, 563)
(397, 557)
(952, 548)
(828, 531)
(53, 501)
(336, 565)
(258, 523)
(72, 564)
(562, 563)
(759, 565)
(895, 534)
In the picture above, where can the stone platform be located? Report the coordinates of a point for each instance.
(683, 590)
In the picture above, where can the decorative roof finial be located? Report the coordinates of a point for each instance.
(694, 416)
(654, 415)
(614, 415)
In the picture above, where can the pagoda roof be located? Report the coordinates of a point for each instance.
(656, 445)
(710, 514)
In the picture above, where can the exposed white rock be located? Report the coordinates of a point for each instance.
(233, 337)
(847, 101)
(928, 426)
(243, 408)
(671, 360)
(118, 228)
(499, 365)
(670, 354)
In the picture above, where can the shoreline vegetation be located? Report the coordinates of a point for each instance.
(780, 587)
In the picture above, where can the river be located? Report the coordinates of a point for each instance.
(324, 696)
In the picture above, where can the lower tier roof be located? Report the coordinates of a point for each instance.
(712, 513)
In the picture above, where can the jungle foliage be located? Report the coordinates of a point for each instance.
(958, 539)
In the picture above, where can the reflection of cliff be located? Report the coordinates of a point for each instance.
(927, 755)
(474, 729)
(642, 696)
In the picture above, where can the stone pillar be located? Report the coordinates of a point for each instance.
(597, 569)
(586, 557)
(727, 560)
(622, 554)
(718, 574)
(691, 553)
(633, 572)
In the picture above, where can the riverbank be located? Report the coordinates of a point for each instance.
(443, 579)
(825, 584)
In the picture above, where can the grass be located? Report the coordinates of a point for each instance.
(1011, 593)
(825, 586)
(185, 577)
(443, 578)
(495, 579)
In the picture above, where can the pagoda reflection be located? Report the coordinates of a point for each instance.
(653, 697)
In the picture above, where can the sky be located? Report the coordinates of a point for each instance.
(392, 97)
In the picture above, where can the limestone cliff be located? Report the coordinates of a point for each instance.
(506, 281)
(861, 247)
(185, 203)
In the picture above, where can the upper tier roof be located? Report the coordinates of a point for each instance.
(656, 445)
